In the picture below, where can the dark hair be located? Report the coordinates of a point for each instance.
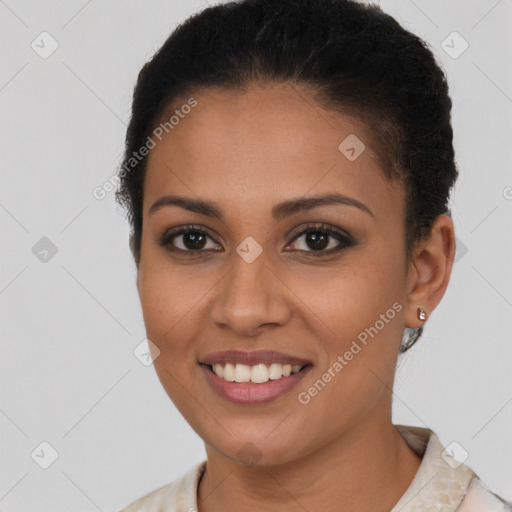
(354, 58)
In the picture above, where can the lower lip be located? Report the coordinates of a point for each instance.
(249, 392)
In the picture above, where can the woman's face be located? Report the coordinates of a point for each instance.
(251, 282)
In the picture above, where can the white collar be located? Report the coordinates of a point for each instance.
(440, 479)
(441, 483)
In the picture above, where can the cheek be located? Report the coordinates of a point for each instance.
(167, 305)
(358, 310)
(350, 296)
(170, 316)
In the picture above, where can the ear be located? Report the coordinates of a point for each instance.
(430, 270)
(135, 257)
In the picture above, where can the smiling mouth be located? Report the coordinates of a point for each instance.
(255, 374)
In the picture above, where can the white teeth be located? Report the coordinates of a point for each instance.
(242, 373)
(275, 371)
(229, 372)
(258, 373)
(218, 369)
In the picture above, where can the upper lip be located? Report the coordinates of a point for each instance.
(252, 358)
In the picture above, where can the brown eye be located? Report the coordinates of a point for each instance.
(187, 239)
(322, 240)
(192, 240)
(316, 240)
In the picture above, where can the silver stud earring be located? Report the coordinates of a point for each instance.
(422, 315)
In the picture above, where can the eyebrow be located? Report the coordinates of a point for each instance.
(279, 211)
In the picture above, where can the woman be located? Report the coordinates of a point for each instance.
(287, 172)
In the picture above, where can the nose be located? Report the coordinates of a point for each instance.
(250, 297)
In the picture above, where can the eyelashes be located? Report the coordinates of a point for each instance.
(196, 232)
(321, 233)
(197, 237)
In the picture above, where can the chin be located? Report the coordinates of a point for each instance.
(259, 450)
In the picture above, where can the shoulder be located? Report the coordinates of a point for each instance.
(443, 480)
(178, 495)
(479, 498)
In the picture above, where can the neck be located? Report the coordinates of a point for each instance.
(368, 468)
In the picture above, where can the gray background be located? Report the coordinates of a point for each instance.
(69, 324)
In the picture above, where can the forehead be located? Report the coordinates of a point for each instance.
(263, 143)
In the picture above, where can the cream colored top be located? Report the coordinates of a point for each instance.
(441, 484)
